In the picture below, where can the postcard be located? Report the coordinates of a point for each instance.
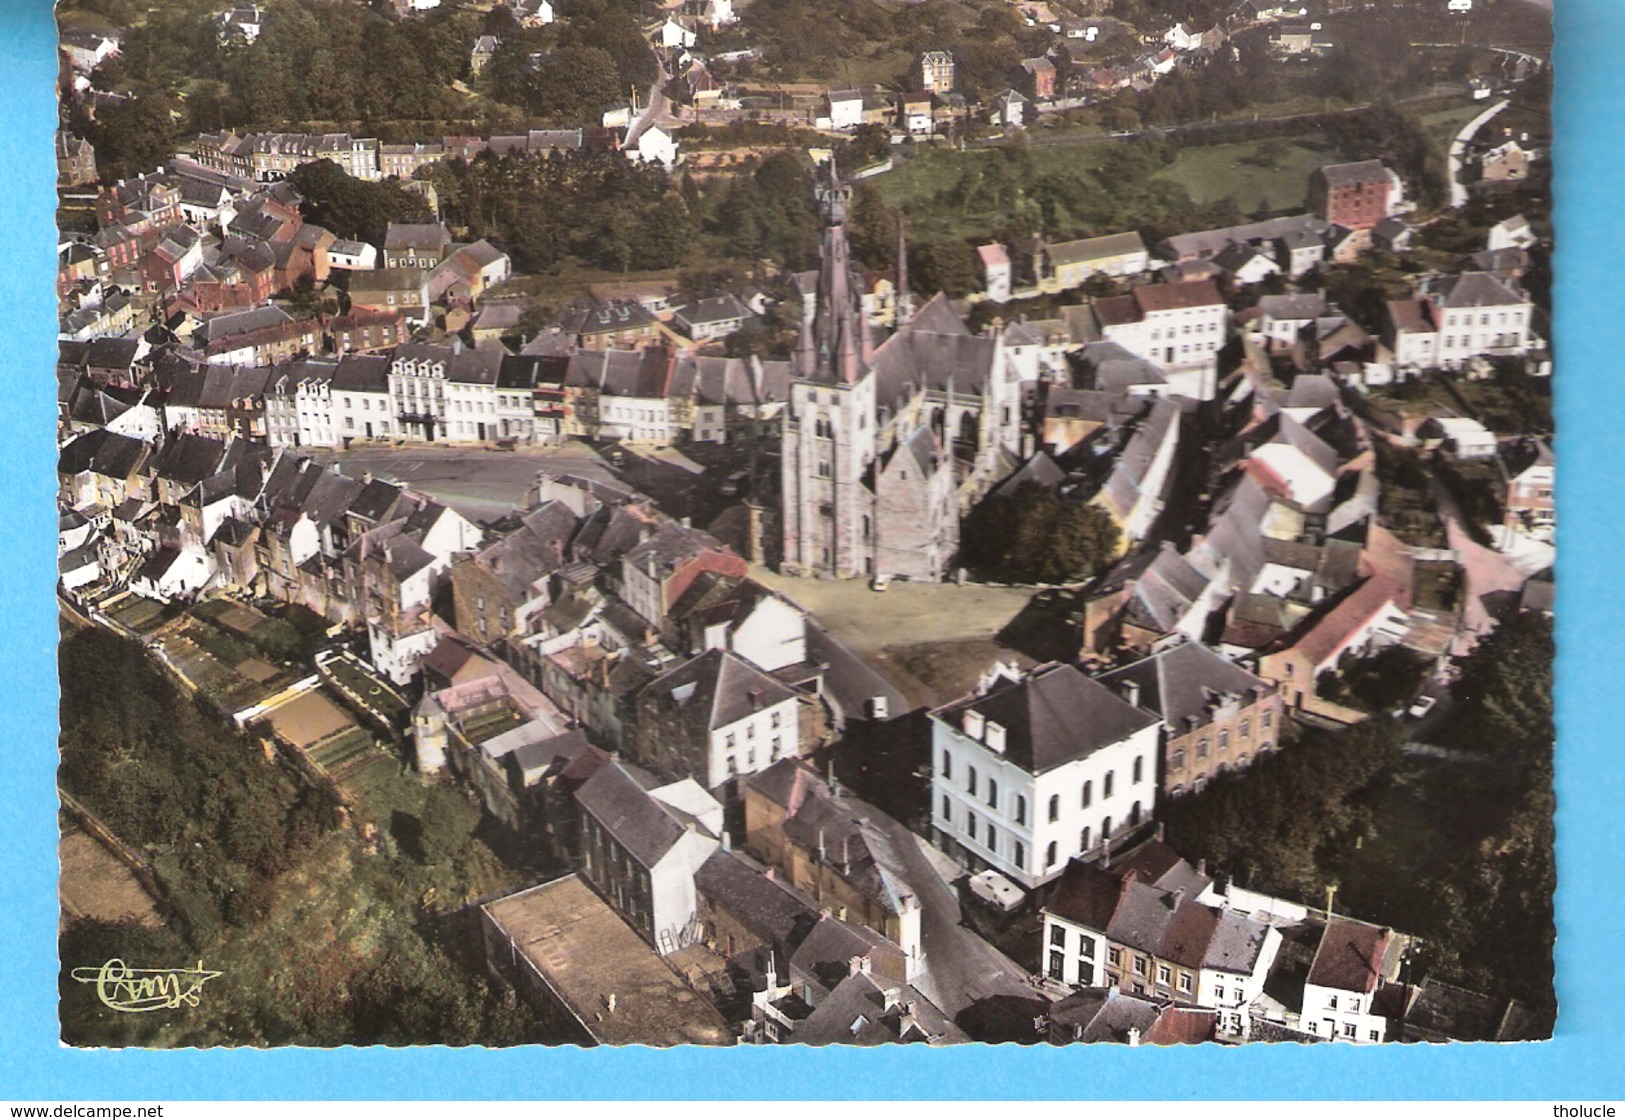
(815, 522)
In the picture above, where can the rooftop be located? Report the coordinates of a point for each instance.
(588, 956)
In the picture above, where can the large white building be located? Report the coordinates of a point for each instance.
(1033, 770)
(1467, 316)
(1181, 327)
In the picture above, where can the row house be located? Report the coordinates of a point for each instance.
(1033, 769)
(402, 290)
(366, 329)
(499, 592)
(656, 572)
(831, 849)
(239, 273)
(1145, 925)
(145, 205)
(1215, 716)
(261, 336)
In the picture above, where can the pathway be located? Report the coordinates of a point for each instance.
(1458, 150)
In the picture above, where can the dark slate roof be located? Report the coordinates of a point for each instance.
(1477, 289)
(475, 367)
(1055, 716)
(1178, 684)
(1348, 174)
(864, 1011)
(776, 912)
(639, 823)
(1103, 1015)
(102, 452)
(412, 235)
(362, 373)
(725, 688)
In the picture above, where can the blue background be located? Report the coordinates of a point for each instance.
(1584, 1062)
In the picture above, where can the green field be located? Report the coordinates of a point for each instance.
(1261, 175)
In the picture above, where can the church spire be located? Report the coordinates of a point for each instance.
(840, 348)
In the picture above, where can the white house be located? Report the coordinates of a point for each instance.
(1032, 770)
(655, 145)
(1281, 319)
(712, 318)
(1179, 326)
(719, 717)
(173, 573)
(1511, 233)
(674, 34)
(1353, 961)
(1466, 316)
(1300, 460)
(845, 108)
(1462, 436)
(993, 261)
(352, 255)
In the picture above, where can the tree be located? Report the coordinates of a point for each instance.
(1035, 536)
(134, 137)
(948, 267)
(353, 208)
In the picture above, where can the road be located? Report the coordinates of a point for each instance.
(1458, 152)
(1485, 573)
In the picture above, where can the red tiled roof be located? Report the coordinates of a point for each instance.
(1171, 297)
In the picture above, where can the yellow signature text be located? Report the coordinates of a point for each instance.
(145, 989)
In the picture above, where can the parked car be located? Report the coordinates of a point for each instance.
(880, 583)
(1422, 706)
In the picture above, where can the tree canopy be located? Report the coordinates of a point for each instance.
(1036, 536)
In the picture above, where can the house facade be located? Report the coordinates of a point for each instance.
(1038, 769)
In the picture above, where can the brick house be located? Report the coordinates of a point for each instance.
(1353, 195)
(1216, 716)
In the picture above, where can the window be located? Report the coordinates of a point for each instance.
(1164, 974)
(1057, 966)
(1218, 993)
(1348, 1030)
(992, 838)
(1115, 956)
(1106, 829)
(947, 765)
(1141, 966)
(775, 720)
(970, 780)
(947, 809)
(1224, 740)
(1020, 855)
(992, 793)
(1057, 936)
(1088, 794)
(1083, 841)
(1086, 947)
(1201, 748)
(1049, 855)
(1266, 719)
(1177, 762)
(970, 825)
(1021, 809)
(1375, 1036)
(1139, 770)
(778, 744)
(1331, 1002)
(1106, 784)
(1184, 981)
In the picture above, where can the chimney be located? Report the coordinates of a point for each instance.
(820, 845)
(1160, 830)
(1133, 1038)
(610, 1003)
(995, 737)
(1201, 866)
(1131, 692)
(755, 699)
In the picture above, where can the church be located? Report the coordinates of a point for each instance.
(886, 443)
